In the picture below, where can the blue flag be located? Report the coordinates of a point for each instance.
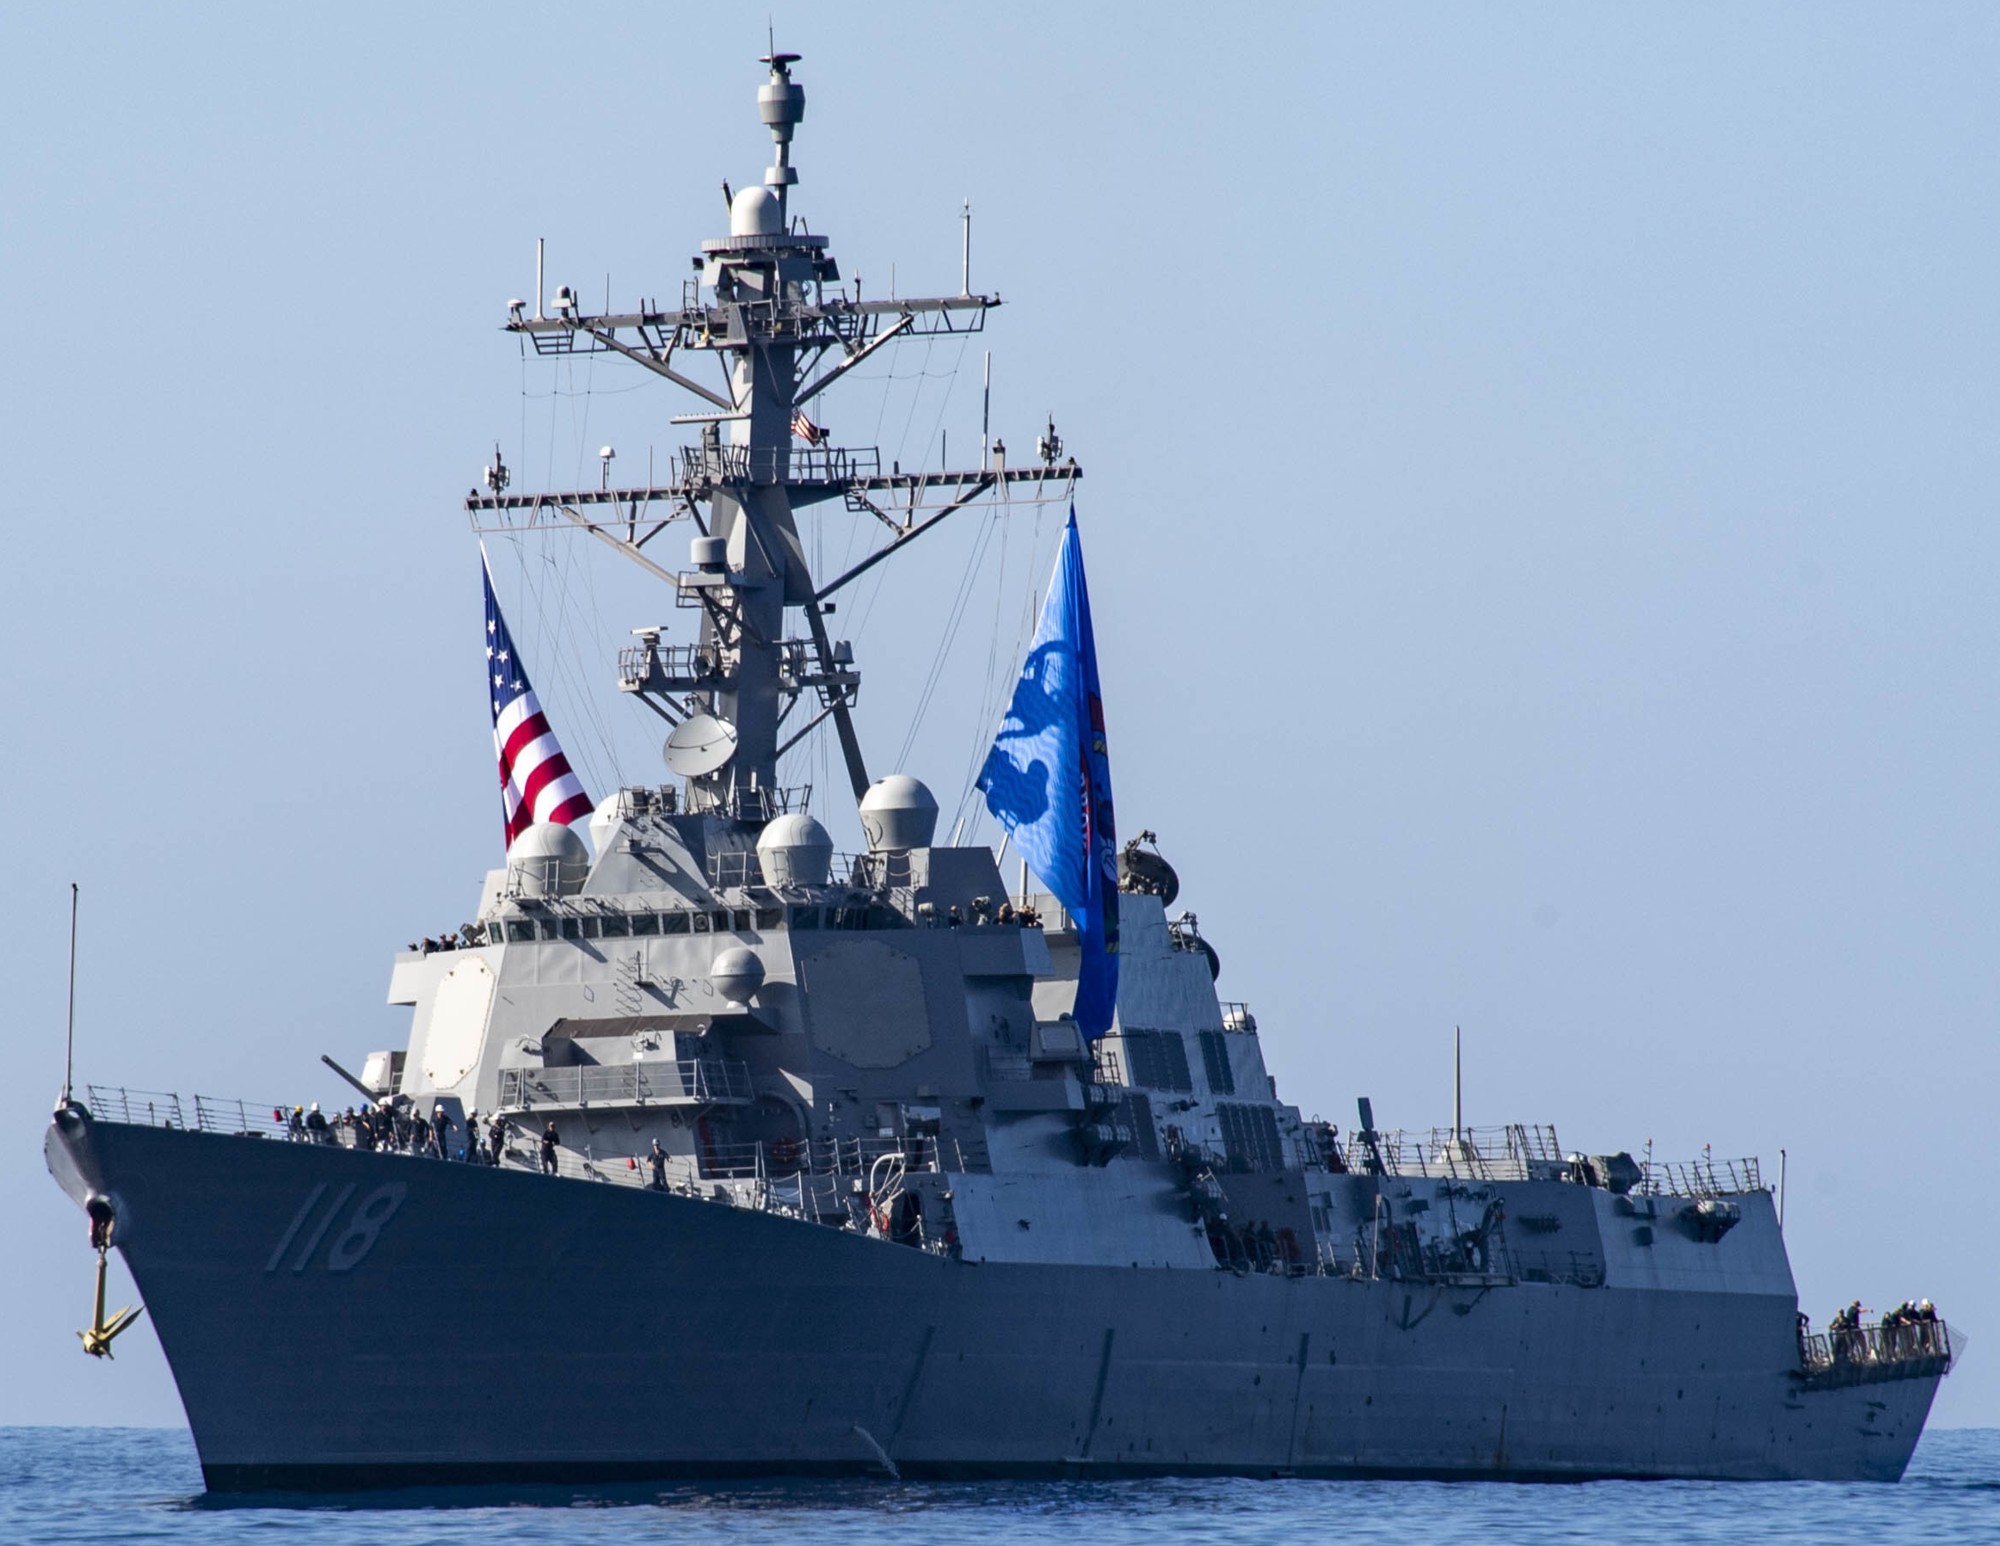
(1048, 781)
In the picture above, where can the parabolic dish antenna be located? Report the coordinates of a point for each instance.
(699, 745)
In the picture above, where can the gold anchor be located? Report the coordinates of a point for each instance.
(97, 1340)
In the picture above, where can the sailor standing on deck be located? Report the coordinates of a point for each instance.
(657, 1161)
(441, 1126)
(551, 1141)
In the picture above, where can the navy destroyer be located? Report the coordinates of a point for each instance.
(789, 1162)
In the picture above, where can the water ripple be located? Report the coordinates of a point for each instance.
(104, 1486)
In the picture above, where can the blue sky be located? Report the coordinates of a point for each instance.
(1538, 494)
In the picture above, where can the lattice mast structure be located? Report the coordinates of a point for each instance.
(767, 301)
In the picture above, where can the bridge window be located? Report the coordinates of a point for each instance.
(520, 930)
(804, 918)
(616, 926)
(645, 923)
(679, 923)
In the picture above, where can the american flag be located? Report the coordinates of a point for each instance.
(805, 429)
(536, 783)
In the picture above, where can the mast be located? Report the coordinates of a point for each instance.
(755, 681)
(1457, 1085)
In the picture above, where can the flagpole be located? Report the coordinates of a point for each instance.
(69, 1042)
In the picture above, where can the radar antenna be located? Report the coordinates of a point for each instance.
(769, 307)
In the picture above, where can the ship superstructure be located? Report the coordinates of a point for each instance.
(905, 1216)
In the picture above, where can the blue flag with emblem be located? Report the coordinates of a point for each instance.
(1048, 781)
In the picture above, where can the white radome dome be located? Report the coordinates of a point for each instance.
(795, 850)
(737, 975)
(548, 859)
(898, 812)
(754, 212)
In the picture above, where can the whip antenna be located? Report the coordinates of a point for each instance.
(69, 1042)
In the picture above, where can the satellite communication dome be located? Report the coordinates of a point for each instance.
(755, 212)
(737, 975)
(898, 812)
(795, 850)
(548, 859)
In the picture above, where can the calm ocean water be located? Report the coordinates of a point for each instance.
(141, 1484)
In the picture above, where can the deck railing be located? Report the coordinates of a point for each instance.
(1880, 1351)
(689, 1081)
(1472, 1154)
(201, 1113)
(814, 1180)
(1508, 1153)
(1704, 1178)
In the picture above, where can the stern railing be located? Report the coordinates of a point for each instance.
(1880, 1351)
(1704, 1178)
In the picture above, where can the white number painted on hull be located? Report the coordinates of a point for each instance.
(351, 1247)
(376, 1209)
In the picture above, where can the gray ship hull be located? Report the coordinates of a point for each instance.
(339, 1319)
